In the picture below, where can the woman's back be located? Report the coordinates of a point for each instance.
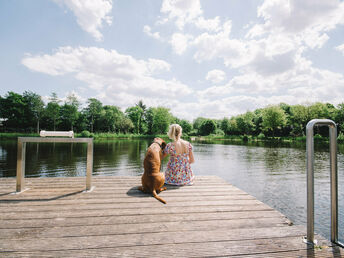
(181, 147)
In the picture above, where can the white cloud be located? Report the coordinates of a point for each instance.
(148, 30)
(181, 11)
(90, 14)
(208, 24)
(234, 52)
(180, 42)
(340, 48)
(117, 78)
(309, 20)
(216, 76)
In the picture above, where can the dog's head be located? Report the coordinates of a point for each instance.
(161, 142)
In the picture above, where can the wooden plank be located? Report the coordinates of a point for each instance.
(199, 246)
(153, 238)
(134, 211)
(72, 200)
(115, 219)
(129, 205)
(148, 227)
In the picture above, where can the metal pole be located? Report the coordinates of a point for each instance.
(89, 167)
(334, 183)
(20, 166)
(310, 182)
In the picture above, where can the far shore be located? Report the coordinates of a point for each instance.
(239, 138)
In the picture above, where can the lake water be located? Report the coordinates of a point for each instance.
(273, 173)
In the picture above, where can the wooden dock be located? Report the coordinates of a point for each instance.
(55, 218)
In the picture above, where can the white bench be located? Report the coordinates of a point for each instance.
(57, 133)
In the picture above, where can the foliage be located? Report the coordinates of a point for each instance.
(93, 111)
(245, 123)
(27, 113)
(273, 118)
(197, 124)
(161, 120)
(207, 127)
(135, 114)
(186, 125)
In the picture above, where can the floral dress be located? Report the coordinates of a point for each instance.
(178, 171)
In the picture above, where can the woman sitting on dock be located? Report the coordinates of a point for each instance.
(178, 171)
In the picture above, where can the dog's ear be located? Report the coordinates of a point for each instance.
(163, 145)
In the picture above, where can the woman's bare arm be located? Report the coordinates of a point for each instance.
(191, 157)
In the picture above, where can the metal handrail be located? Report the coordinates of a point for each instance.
(333, 178)
(20, 184)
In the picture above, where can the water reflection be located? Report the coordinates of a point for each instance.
(274, 173)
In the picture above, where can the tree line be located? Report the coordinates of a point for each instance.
(28, 113)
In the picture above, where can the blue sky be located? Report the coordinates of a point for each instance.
(211, 58)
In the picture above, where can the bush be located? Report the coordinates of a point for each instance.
(207, 127)
(86, 133)
(261, 136)
(219, 132)
(340, 137)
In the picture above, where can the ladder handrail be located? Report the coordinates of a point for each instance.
(333, 178)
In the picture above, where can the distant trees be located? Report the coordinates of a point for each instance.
(52, 112)
(27, 112)
(273, 119)
(12, 109)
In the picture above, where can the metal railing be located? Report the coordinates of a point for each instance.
(22, 151)
(333, 178)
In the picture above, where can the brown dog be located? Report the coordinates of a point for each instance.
(152, 179)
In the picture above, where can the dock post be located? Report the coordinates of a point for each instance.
(20, 166)
(89, 167)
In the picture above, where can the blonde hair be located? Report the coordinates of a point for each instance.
(175, 132)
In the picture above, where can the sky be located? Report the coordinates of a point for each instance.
(199, 58)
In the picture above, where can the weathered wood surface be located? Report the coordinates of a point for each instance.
(55, 218)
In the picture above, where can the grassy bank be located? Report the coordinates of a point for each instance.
(241, 138)
(96, 136)
(16, 135)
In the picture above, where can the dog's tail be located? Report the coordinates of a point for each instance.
(156, 196)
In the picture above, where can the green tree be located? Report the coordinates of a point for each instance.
(257, 121)
(186, 125)
(13, 111)
(135, 114)
(69, 112)
(93, 111)
(161, 120)
(149, 120)
(142, 116)
(273, 118)
(225, 125)
(34, 108)
(339, 117)
(245, 123)
(52, 110)
(111, 118)
(207, 127)
(126, 125)
(299, 117)
(197, 124)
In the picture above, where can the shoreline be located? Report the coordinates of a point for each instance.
(234, 138)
